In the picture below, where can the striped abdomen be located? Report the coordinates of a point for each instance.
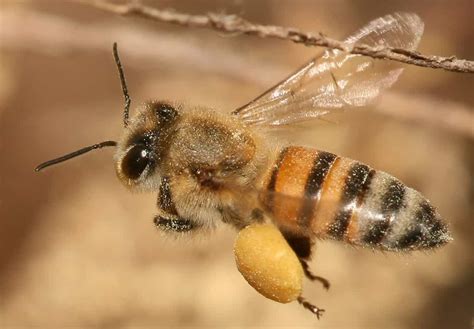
(333, 197)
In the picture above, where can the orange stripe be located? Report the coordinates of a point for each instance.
(352, 232)
(329, 202)
(291, 182)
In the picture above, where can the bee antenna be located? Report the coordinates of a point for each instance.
(75, 154)
(123, 84)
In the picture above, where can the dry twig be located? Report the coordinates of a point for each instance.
(49, 35)
(236, 24)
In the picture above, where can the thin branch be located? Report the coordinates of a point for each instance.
(49, 35)
(236, 24)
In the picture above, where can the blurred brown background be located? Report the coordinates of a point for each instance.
(78, 250)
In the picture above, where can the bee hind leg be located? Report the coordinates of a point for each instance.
(312, 308)
(302, 246)
(307, 272)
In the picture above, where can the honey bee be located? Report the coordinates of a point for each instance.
(210, 168)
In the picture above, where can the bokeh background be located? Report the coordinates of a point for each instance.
(78, 250)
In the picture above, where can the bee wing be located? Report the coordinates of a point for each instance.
(337, 80)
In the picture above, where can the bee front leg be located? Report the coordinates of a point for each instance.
(168, 219)
(174, 224)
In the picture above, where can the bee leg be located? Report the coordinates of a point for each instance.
(312, 308)
(174, 224)
(301, 245)
(307, 272)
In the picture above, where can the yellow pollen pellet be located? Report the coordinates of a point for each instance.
(268, 263)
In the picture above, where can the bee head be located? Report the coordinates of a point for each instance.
(144, 143)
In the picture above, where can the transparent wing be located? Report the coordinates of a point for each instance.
(337, 80)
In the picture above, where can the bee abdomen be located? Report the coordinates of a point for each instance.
(319, 193)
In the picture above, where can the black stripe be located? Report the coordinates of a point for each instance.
(391, 202)
(165, 201)
(436, 232)
(427, 215)
(377, 229)
(339, 226)
(321, 167)
(273, 179)
(355, 185)
(365, 188)
(411, 238)
(416, 234)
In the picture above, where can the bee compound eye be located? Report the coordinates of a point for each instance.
(135, 161)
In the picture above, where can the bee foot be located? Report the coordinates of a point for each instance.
(176, 225)
(312, 308)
